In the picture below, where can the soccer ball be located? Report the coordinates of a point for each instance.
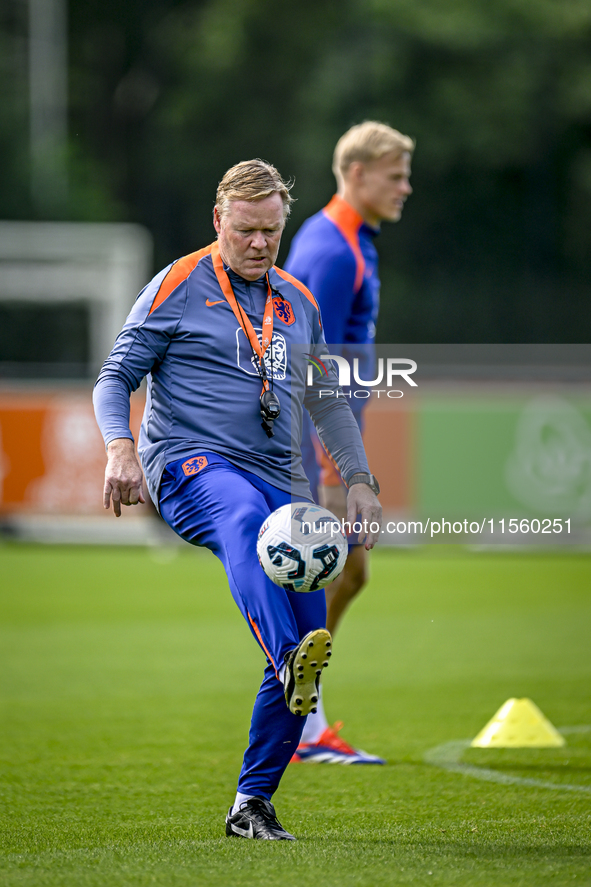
(302, 547)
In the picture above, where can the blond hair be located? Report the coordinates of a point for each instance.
(365, 142)
(252, 180)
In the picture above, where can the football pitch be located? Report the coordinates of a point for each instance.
(128, 678)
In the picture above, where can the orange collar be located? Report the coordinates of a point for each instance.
(348, 221)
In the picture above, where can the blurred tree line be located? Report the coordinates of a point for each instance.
(495, 243)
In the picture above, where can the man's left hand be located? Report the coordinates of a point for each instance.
(363, 501)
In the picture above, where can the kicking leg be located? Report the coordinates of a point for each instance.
(222, 508)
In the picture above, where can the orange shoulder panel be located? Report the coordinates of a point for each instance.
(179, 272)
(348, 221)
(298, 284)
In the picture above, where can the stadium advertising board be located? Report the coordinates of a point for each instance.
(473, 443)
(480, 444)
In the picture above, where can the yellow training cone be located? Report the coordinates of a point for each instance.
(519, 723)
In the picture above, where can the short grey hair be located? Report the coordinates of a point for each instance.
(252, 180)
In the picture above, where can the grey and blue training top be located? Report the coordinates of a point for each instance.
(203, 385)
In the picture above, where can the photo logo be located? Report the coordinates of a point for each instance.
(314, 363)
(396, 368)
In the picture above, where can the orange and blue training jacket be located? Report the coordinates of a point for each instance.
(334, 255)
(203, 384)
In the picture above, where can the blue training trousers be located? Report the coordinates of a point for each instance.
(222, 507)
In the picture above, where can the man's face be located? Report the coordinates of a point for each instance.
(383, 186)
(249, 235)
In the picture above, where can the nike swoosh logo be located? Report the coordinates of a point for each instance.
(211, 304)
(246, 833)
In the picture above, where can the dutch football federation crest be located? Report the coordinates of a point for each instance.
(283, 310)
(193, 466)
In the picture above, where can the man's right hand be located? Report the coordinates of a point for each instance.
(123, 476)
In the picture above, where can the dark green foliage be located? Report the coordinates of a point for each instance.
(52, 337)
(493, 246)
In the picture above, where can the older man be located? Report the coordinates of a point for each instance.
(333, 253)
(208, 332)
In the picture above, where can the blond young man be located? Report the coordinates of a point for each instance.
(334, 255)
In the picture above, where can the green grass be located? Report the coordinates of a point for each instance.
(127, 685)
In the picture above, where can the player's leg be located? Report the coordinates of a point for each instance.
(274, 734)
(265, 759)
(346, 587)
(222, 508)
(332, 494)
(320, 742)
(219, 508)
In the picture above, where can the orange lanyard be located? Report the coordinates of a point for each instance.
(258, 348)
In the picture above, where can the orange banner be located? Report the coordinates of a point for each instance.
(52, 456)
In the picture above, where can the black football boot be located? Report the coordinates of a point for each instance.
(256, 819)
